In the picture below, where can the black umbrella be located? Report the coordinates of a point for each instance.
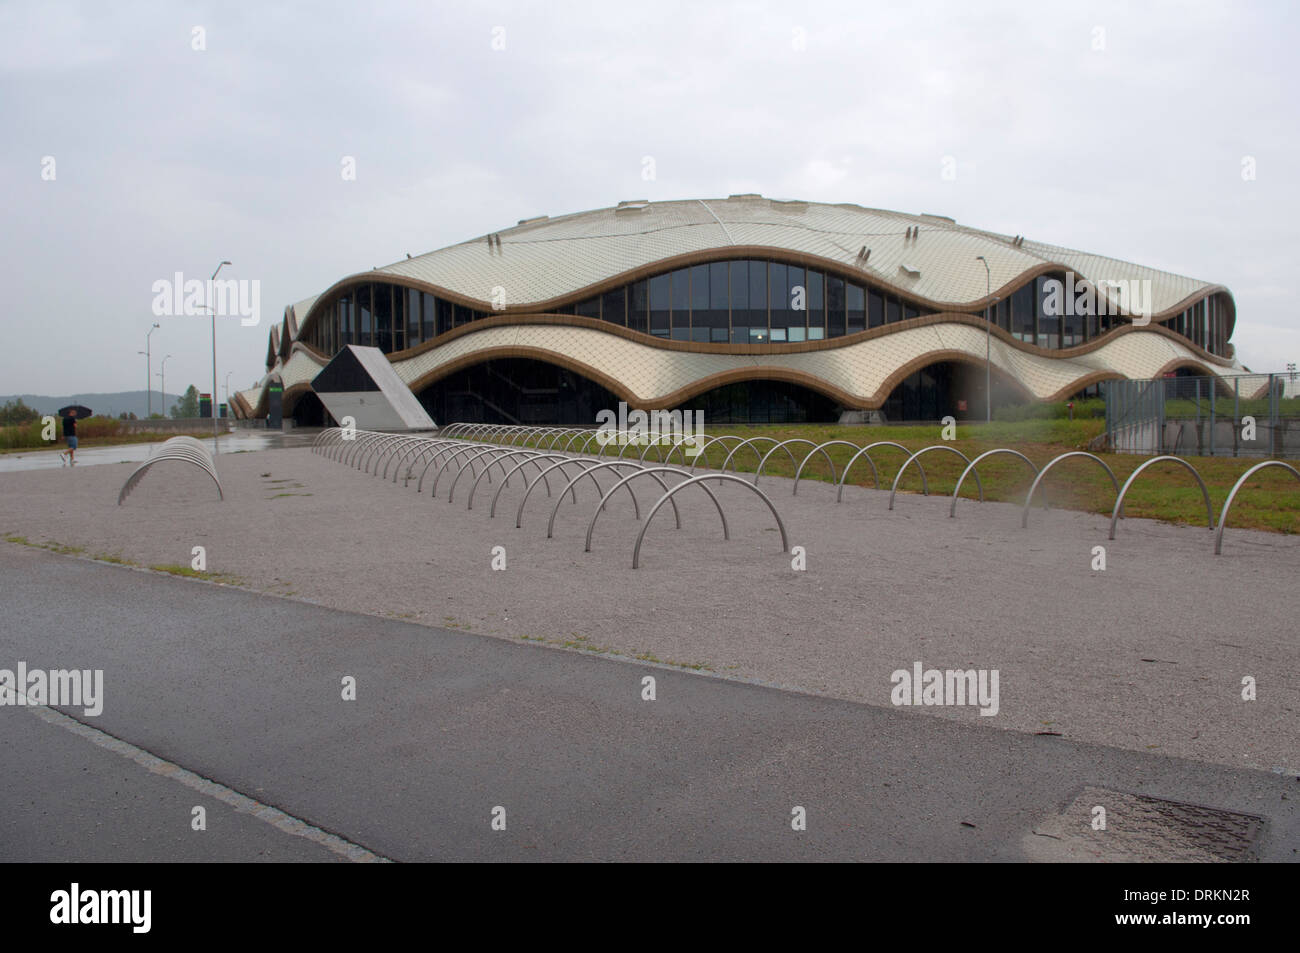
(76, 410)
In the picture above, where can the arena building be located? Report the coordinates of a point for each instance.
(752, 310)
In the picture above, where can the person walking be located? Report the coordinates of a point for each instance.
(70, 435)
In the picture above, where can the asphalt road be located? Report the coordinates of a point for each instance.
(244, 690)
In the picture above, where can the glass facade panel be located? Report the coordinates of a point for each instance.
(413, 325)
(816, 301)
(856, 302)
(445, 315)
(366, 335)
(660, 304)
(681, 302)
(834, 305)
(1022, 314)
(637, 307)
(875, 309)
(1049, 325)
(613, 306)
(719, 307)
(589, 308)
(740, 287)
(428, 317)
(893, 311)
(757, 296)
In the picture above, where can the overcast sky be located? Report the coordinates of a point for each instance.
(1119, 129)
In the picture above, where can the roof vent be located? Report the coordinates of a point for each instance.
(745, 195)
(535, 218)
(941, 218)
(632, 205)
(864, 253)
(909, 270)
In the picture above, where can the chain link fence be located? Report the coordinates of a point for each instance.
(1246, 415)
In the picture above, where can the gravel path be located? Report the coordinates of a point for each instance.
(1148, 655)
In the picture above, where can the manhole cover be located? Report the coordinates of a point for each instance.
(1142, 828)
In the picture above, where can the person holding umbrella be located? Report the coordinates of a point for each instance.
(70, 415)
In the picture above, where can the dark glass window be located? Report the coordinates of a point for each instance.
(1004, 314)
(412, 317)
(428, 316)
(637, 307)
(464, 315)
(681, 301)
(613, 306)
(700, 288)
(1049, 325)
(345, 321)
(856, 304)
(816, 305)
(445, 314)
(835, 305)
(796, 293)
(660, 304)
(367, 329)
(893, 310)
(718, 317)
(876, 309)
(910, 311)
(778, 296)
(740, 288)
(589, 308)
(1022, 314)
(757, 298)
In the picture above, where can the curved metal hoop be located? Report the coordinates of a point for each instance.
(731, 478)
(1118, 511)
(747, 443)
(569, 488)
(875, 476)
(821, 446)
(784, 445)
(938, 446)
(590, 472)
(182, 449)
(1024, 514)
(952, 510)
(529, 456)
(1223, 515)
(654, 472)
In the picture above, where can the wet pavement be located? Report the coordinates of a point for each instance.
(235, 442)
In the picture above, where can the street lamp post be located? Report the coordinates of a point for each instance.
(148, 373)
(213, 309)
(227, 386)
(162, 387)
(988, 340)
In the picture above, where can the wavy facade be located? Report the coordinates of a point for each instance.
(748, 307)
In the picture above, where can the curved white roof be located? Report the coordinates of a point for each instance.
(923, 256)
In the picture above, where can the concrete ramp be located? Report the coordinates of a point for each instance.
(361, 383)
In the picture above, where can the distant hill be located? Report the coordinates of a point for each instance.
(109, 405)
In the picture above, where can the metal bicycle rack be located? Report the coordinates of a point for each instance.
(730, 478)
(875, 475)
(893, 490)
(1227, 504)
(1118, 511)
(952, 510)
(1024, 515)
(181, 449)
